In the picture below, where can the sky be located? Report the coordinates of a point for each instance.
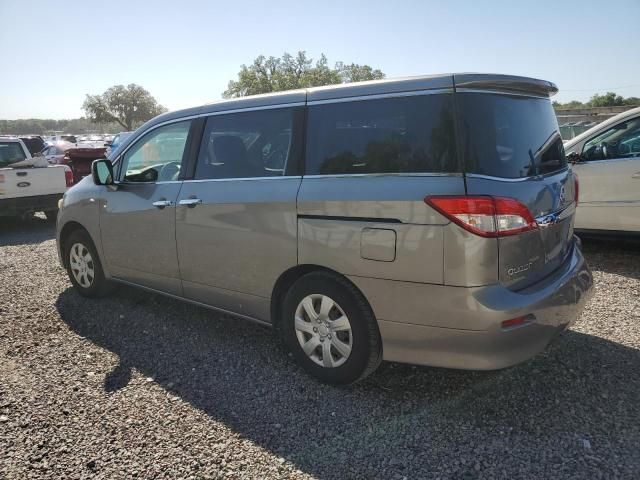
(186, 51)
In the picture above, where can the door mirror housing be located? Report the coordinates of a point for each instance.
(102, 172)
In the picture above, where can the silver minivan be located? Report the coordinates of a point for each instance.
(426, 220)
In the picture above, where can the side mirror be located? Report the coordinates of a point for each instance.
(574, 158)
(102, 172)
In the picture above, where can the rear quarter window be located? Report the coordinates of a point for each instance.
(509, 136)
(412, 134)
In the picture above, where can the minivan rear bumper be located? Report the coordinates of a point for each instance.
(469, 333)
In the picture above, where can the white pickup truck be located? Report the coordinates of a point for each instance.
(29, 184)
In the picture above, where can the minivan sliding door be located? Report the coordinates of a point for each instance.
(236, 220)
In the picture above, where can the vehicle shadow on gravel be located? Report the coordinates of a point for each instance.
(403, 420)
(617, 256)
(16, 231)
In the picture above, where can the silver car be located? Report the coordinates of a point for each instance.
(426, 220)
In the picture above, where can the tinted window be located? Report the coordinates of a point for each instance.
(245, 145)
(33, 144)
(411, 134)
(157, 156)
(620, 141)
(10, 152)
(509, 136)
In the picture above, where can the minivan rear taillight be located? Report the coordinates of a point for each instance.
(485, 216)
(68, 176)
(576, 189)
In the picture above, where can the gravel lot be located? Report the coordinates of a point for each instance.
(140, 386)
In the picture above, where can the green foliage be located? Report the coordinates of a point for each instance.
(129, 106)
(273, 74)
(37, 126)
(609, 99)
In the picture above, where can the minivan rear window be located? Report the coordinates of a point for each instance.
(412, 134)
(508, 136)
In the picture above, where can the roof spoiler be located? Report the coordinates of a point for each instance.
(505, 83)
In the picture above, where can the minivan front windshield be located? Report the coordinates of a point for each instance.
(509, 136)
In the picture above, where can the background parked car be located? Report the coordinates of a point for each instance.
(66, 138)
(80, 158)
(607, 161)
(55, 153)
(34, 143)
(27, 183)
(117, 140)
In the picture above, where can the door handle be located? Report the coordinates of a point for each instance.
(636, 175)
(190, 202)
(162, 203)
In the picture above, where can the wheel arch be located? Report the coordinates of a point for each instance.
(65, 232)
(289, 277)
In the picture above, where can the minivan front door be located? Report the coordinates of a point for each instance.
(236, 221)
(137, 220)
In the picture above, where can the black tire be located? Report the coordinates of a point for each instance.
(99, 286)
(52, 215)
(366, 349)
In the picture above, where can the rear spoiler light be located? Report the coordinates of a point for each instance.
(486, 216)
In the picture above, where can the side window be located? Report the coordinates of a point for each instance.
(247, 144)
(157, 156)
(620, 141)
(10, 152)
(412, 134)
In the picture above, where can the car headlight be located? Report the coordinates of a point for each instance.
(60, 203)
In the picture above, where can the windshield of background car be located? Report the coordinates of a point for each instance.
(509, 136)
(10, 152)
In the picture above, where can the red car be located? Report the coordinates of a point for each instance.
(80, 160)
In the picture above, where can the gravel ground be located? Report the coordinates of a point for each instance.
(140, 386)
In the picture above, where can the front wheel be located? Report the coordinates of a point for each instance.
(330, 329)
(83, 265)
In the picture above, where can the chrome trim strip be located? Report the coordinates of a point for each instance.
(554, 218)
(252, 109)
(148, 183)
(352, 175)
(500, 92)
(377, 96)
(605, 160)
(203, 180)
(194, 302)
(523, 179)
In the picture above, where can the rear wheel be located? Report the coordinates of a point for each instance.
(330, 329)
(83, 265)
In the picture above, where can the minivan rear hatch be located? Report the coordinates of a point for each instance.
(511, 147)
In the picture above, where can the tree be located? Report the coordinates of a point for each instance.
(609, 99)
(129, 106)
(273, 74)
